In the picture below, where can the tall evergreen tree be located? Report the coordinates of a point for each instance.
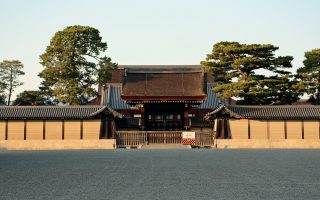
(309, 75)
(10, 70)
(72, 65)
(234, 67)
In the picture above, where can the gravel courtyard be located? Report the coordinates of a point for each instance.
(160, 174)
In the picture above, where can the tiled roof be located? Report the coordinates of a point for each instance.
(160, 68)
(113, 97)
(151, 83)
(212, 99)
(54, 112)
(117, 76)
(114, 100)
(269, 112)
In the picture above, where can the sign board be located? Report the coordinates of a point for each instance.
(189, 138)
(189, 135)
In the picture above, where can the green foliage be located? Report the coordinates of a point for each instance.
(10, 70)
(309, 75)
(30, 98)
(104, 71)
(2, 92)
(73, 65)
(234, 67)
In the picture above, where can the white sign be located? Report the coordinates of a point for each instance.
(188, 135)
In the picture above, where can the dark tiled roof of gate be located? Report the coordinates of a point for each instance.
(114, 99)
(160, 68)
(270, 112)
(55, 112)
(168, 81)
(212, 99)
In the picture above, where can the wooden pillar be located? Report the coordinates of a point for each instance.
(249, 130)
(63, 129)
(285, 129)
(81, 129)
(222, 129)
(25, 130)
(103, 129)
(302, 129)
(6, 137)
(44, 130)
(143, 118)
(186, 118)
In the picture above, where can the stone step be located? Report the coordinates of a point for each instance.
(166, 146)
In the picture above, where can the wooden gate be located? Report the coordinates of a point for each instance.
(204, 138)
(135, 138)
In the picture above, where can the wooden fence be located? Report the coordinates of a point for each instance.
(135, 138)
(204, 138)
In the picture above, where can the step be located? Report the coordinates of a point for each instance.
(166, 146)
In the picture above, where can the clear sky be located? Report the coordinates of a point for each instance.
(158, 32)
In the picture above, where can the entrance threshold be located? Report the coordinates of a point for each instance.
(166, 146)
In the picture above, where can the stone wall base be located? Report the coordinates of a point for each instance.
(262, 143)
(57, 144)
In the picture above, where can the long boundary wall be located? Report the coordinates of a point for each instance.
(247, 133)
(57, 144)
(52, 134)
(264, 143)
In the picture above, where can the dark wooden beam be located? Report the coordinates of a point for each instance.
(249, 131)
(44, 130)
(25, 130)
(6, 136)
(302, 129)
(63, 129)
(285, 129)
(81, 129)
(222, 128)
(102, 128)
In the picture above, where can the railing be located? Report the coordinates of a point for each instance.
(204, 138)
(128, 138)
(161, 137)
(135, 138)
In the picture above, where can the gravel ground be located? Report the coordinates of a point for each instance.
(160, 174)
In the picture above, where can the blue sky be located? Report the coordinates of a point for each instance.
(158, 32)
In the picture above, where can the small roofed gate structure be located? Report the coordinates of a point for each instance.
(50, 127)
(273, 126)
(164, 94)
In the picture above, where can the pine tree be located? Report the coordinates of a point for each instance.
(73, 64)
(234, 67)
(10, 70)
(309, 75)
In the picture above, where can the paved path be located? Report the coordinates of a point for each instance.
(160, 174)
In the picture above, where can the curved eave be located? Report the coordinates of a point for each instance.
(220, 109)
(107, 110)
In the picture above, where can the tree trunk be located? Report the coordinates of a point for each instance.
(10, 88)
